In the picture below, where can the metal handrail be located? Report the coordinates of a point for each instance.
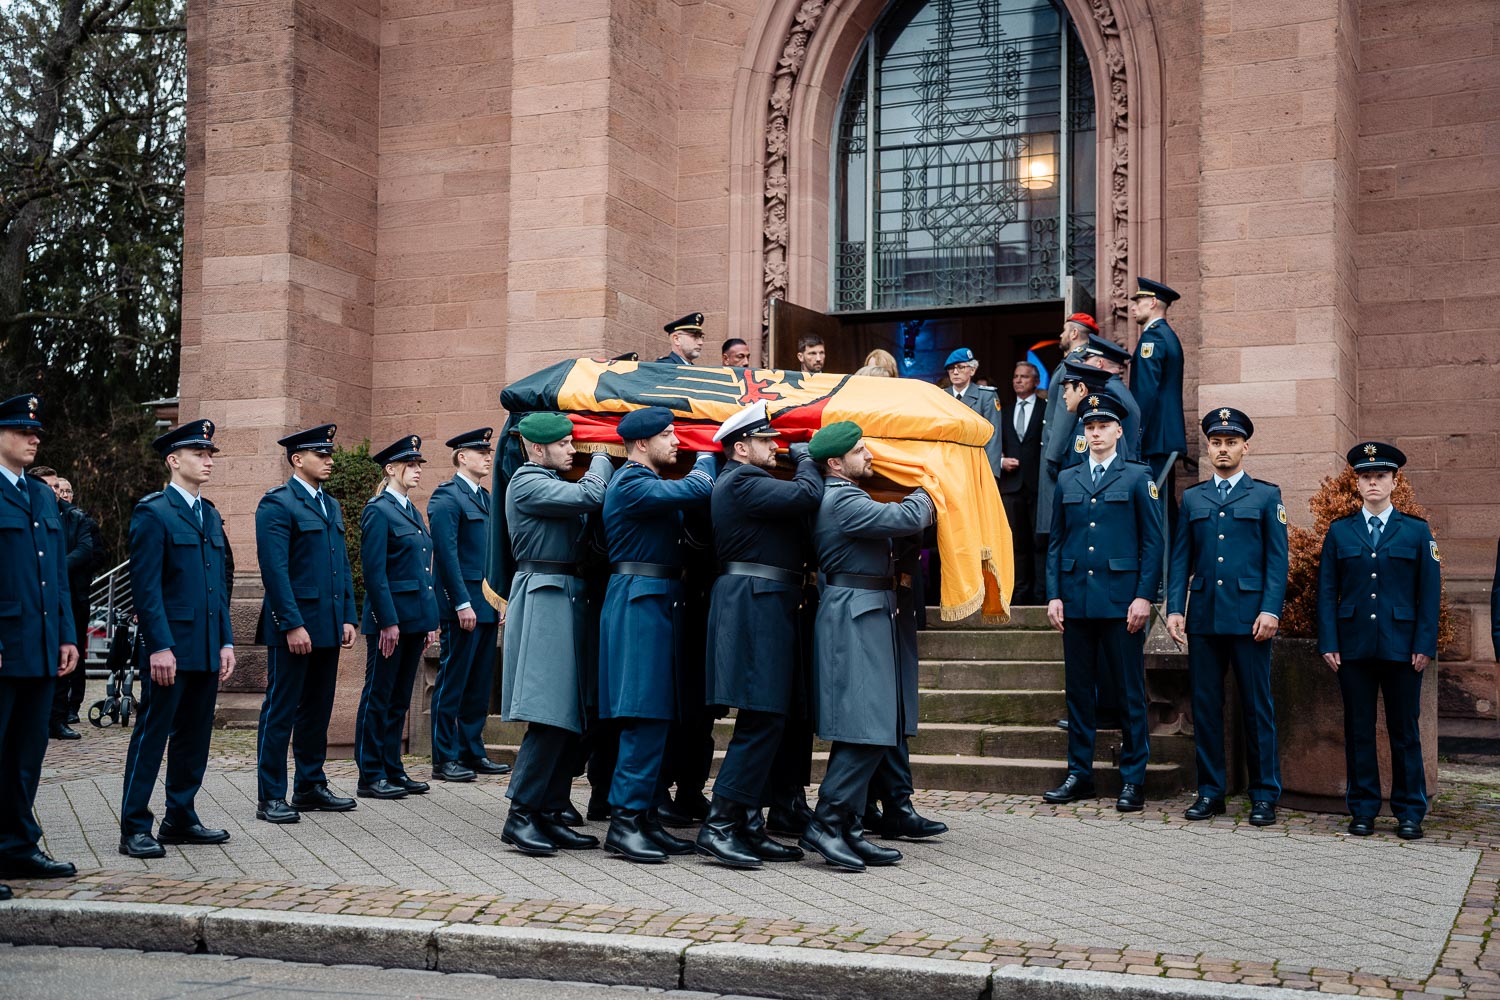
(110, 601)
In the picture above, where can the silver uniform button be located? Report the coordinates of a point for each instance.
(1372, 617)
(1219, 583)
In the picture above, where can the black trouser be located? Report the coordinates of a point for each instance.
(461, 697)
(846, 783)
(1400, 688)
(690, 750)
(1208, 657)
(296, 709)
(383, 704)
(1020, 511)
(601, 743)
(24, 703)
(751, 757)
(177, 718)
(892, 783)
(544, 767)
(791, 770)
(68, 692)
(1100, 655)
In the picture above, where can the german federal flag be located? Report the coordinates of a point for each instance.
(918, 434)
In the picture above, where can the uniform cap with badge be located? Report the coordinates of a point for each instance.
(406, 449)
(1148, 289)
(835, 440)
(961, 356)
(21, 413)
(752, 421)
(1373, 456)
(1103, 347)
(475, 440)
(692, 323)
(1228, 420)
(318, 439)
(637, 425)
(194, 434)
(1100, 406)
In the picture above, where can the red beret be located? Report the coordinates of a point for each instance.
(1084, 319)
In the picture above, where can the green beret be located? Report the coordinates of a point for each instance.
(544, 428)
(835, 440)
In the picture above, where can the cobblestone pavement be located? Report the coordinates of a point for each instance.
(1299, 904)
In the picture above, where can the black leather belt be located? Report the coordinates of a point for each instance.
(859, 581)
(657, 570)
(764, 572)
(547, 566)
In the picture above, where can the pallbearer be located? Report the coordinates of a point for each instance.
(752, 627)
(1229, 564)
(1379, 596)
(308, 616)
(181, 597)
(459, 515)
(546, 680)
(400, 620)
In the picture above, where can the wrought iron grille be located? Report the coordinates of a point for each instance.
(954, 160)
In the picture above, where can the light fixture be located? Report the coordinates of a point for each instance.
(1038, 161)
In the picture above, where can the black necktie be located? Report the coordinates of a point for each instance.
(1223, 491)
(322, 505)
(197, 508)
(1098, 475)
(25, 493)
(1374, 531)
(484, 501)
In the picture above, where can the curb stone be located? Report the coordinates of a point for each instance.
(816, 974)
(324, 938)
(87, 923)
(1030, 982)
(577, 956)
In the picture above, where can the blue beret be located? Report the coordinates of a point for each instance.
(1227, 420)
(835, 440)
(406, 449)
(638, 425)
(318, 439)
(196, 434)
(1372, 456)
(962, 356)
(21, 413)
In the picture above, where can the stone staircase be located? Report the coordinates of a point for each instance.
(989, 702)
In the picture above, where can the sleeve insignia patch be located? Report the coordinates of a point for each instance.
(1155, 493)
(1281, 513)
(1432, 547)
(1147, 349)
(1080, 445)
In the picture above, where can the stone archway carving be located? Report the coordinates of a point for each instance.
(792, 29)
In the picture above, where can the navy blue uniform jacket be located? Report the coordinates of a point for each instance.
(395, 551)
(304, 564)
(1233, 558)
(461, 540)
(36, 616)
(1106, 545)
(1382, 603)
(1156, 381)
(177, 580)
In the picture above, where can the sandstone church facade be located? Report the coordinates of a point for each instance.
(397, 206)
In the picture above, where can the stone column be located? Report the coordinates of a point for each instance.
(1276, 218)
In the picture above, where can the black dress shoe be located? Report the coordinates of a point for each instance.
(525, 834)
(35, 863)
(64, 733)
(570, 816)
(412, 786)
(671, 814)
(1361, 826)
(563, 835)
(276, 811)
(789, 817)
(1207, 807)
(194, 834)
(142, 845)
(719, 836)
(450, 770)
(1131, 800)
(599, 809)
(483, 765)
(825, 837)
(1409, 829)
(753, 833)
(73, 719)
(1262, 813)
(5, 892)
(627, 838)
(873, 817)
(1072, 789)
(673, 845)
(319, 798)
(903, 821)
(381, 789)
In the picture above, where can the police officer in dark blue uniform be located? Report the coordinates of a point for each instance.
(1104, 353)
(1104, 564)
(640, 632)
(307, 616)
(1156, 380)
(1379, 596)
(459, 514)
(36, 638)
(1078, 380)
(178, 583)
(400, 620)
(1230, 552)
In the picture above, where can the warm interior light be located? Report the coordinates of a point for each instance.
(1039, 162)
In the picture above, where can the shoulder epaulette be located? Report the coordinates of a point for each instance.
(1414, 517)
(1134, 461)
(1266, 482)
(275, 489)
(149, 497)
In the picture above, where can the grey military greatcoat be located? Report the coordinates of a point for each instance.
(856, 664)
(546, 650)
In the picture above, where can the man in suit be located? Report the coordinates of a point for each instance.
(1022, 424)
(1156, 381)
(36, 641)
(459, 517)
(81, 536)
(1057, 427)
(961, 367)
(684, 340)
(178, 582)
(307, 617)
(1380, 592)
(1230, 551)
(1104, 566)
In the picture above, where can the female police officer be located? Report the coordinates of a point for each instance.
(400, 620)
(1379, 590)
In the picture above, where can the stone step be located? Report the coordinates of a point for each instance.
(1012, 675)
(1020, 618)
(984, 774)
(1021, 707)
(990, 644)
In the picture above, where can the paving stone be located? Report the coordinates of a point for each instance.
(796, 973)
